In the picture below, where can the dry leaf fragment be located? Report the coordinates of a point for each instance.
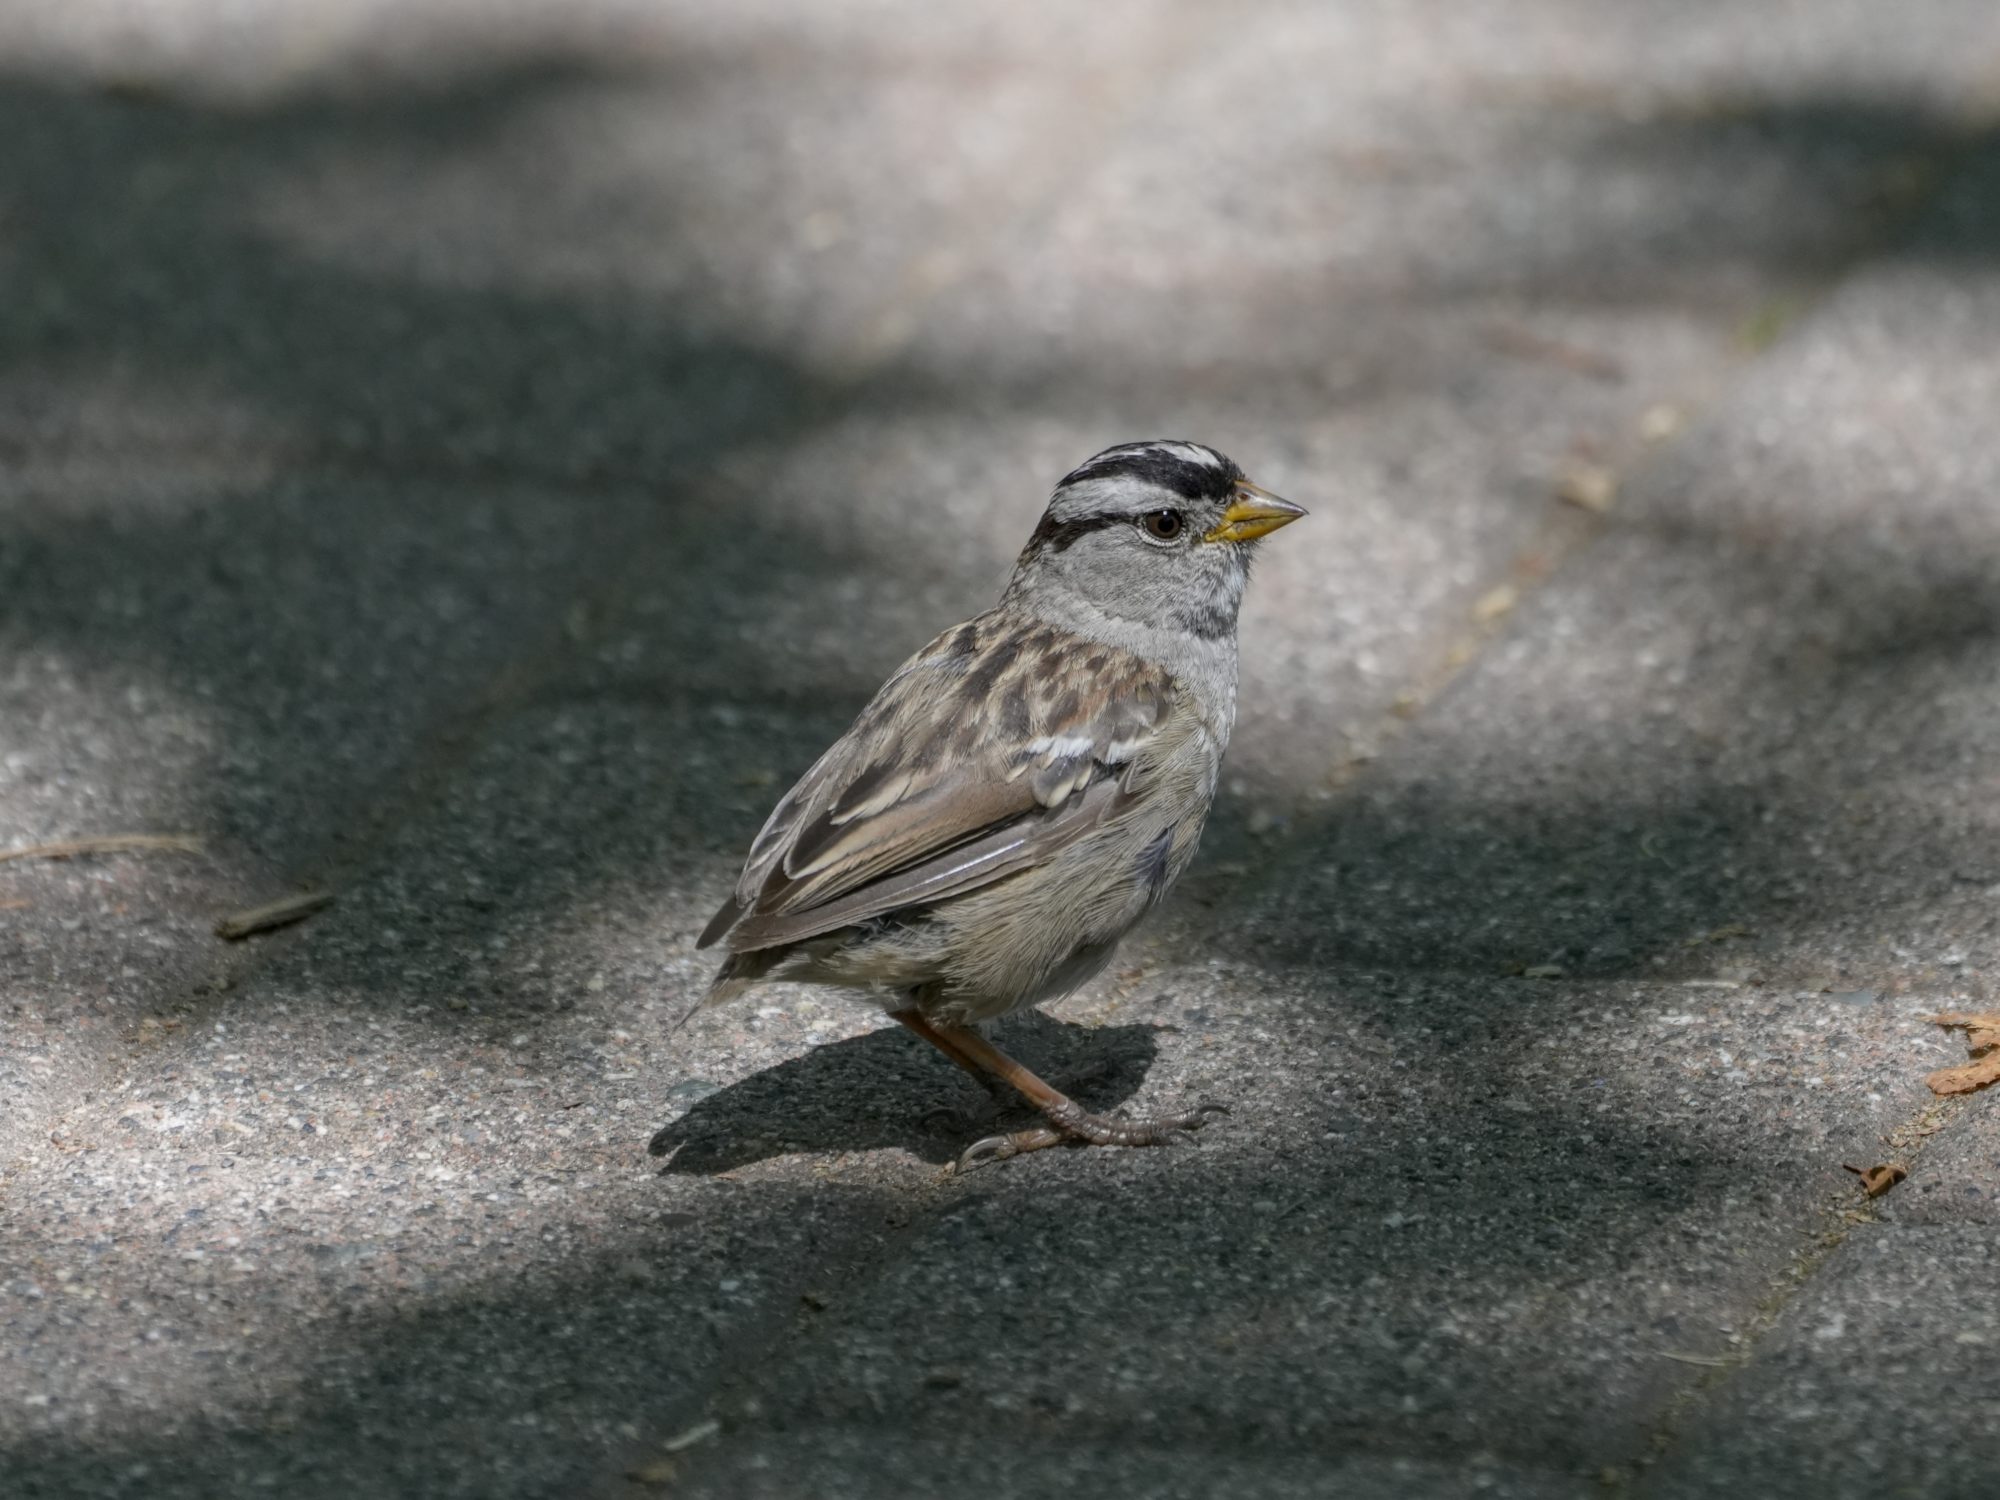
(1968, 1079)
(1982, 1028)
(1875, 1181)
(1590, 487)
(273, 914)
(1658, 423)
(1982, 1040)
(1495, 602)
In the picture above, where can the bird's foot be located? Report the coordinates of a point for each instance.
(1070, 1122)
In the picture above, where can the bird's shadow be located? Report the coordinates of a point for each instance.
(891, 1089)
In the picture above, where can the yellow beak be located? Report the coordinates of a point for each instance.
(1252, 514)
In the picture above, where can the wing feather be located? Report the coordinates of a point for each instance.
(1012, 846)
(983, 754)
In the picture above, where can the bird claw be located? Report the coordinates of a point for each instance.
(1083, 1129)
(1181, 1128)
(982, 1152)
(999, 1147)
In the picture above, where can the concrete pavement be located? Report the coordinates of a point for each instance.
(467, 457)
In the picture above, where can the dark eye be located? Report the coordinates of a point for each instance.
(1164, 525)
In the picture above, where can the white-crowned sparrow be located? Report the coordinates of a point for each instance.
(1025, 788)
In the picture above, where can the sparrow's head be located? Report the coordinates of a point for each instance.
(1158, 533)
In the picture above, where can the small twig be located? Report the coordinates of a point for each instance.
(1710, 1361)
(1524, 343)
(272, 914)
(701, 1432)
(113, 843)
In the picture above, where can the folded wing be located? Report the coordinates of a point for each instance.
(998, 744)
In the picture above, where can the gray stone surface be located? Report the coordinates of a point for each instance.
(469, 455)
(1877, 1381)
(1957, 1182)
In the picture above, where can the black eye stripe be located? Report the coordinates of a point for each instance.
(1060, 536)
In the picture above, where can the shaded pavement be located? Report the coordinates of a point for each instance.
(469, 456)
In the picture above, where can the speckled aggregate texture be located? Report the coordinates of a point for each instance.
(468, 456)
